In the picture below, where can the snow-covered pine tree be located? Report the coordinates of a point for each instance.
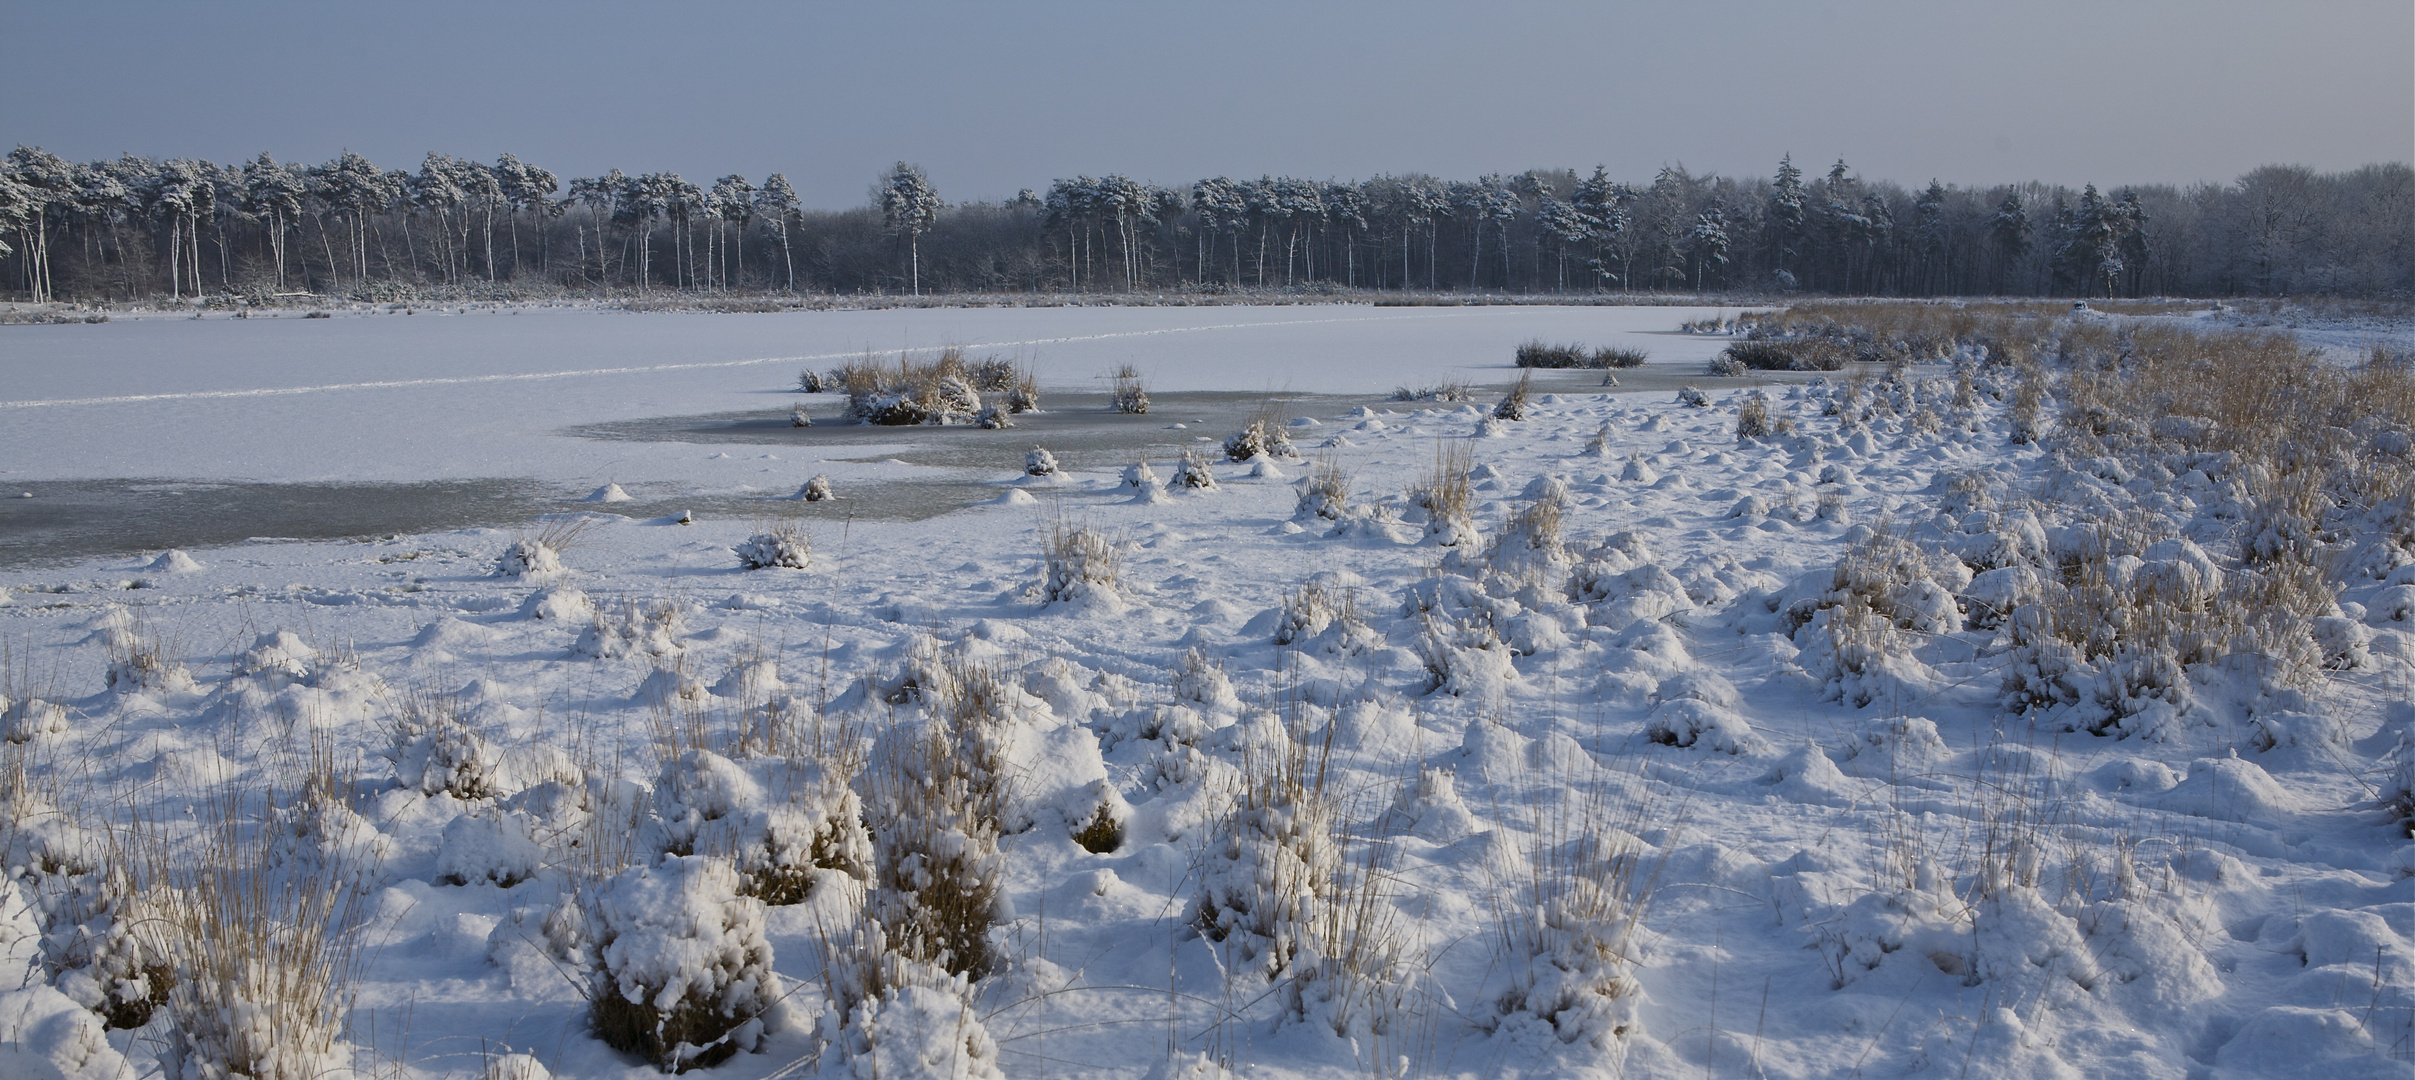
(908, 205)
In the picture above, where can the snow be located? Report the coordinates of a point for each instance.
(1841, 861)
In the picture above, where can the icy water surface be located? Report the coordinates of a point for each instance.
(72, 520)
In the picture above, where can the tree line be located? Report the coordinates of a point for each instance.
(136, 227)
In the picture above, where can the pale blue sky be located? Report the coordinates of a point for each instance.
(990, 97)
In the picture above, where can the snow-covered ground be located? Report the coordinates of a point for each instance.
(1582, 802)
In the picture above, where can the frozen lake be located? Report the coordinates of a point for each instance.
(359, 424)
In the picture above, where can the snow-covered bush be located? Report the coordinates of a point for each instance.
(435, 749)
(1599, 444)
(680, 970)
(30, 718)
(488, 846)
(142, 660)
(797, 417)
(1513, 405)
(1263, 437)
(1275, 857)
(102, 943)
(892, 1016)
(1531, 538)
(779, 820)
(780, 546)
(1693, 397)
(539, 554)
(1039, 462)
(1465, 658)
(1753, 420)
(1081, 563)
(631, 629)
(940, 795)
(1140, 477)
(816, 489)
(265, 960)
(1194, 472)
(1565, 923)
(1447, 494)
(935, 391)
(1312, 607)
(1130, 395)
(1325, 493)
(1280, 892)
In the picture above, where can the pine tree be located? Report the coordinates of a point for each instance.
(778, 201)
(2008, 230)
(272, 194)
(909, 204)
(1786, 218)
(1707, 242)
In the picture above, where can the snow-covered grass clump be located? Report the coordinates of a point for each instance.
(782, 546)
(681, 973)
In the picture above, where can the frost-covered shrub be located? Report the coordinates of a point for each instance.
(1263, 437)
(1568, 934)
(990, 418)
(797, 417)
(539, 554)
(265, 958)
(1599, 444)
(779, 820)
(1448, 390)
(141, 660)
(810, 381)
(488, 848)
(940, 793)
(1325, 493)
(1531, 538)
(525, 557)
(102, 943)
(995, 374)
(1130, 395)
(27, 719)
(1024, 395)
(936, 391)
(1693, 397)
(1447, 495)
(781, 546)
(1778, 355)
(277, 657)
(631, 629)
(1039, 462)
(1274, 858)
(1194, 472)
(1539, 354)
(1311, 608)
(816, 490)
(1513, 405)
(1727, 367)
(434, 749)
(1753, 420)
(1140, 477)
(681, 972)
(1465, 659)
(1080, 564)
